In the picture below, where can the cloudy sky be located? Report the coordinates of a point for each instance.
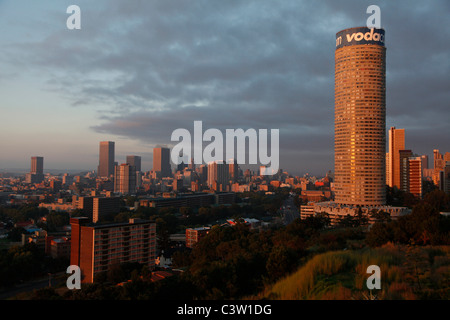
(137, 70)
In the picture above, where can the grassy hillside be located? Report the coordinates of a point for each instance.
(407, 272)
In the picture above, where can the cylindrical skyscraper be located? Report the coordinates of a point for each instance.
(360, 117)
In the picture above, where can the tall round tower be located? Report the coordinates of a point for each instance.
(360, 117)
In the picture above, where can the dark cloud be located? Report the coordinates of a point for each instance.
(160, 65)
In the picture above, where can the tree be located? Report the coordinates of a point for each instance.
(380, 216)
(186, 211)
(15, 234)
(282, 260)
(181, 259)
(116, 273)
(319, 221)
(379, 234)
(438, 199)
(130, 200)
(56, 220)
(122, 216)
(162, 233)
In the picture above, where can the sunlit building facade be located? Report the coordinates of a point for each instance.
(360, 117)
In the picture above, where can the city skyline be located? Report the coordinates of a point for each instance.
(276, 71)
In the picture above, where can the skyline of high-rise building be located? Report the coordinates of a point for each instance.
(106, 159)
(360, 117)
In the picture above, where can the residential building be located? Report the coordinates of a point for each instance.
(95, 248)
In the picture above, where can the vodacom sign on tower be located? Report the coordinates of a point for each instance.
(361, 35)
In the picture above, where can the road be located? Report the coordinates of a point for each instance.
(289, 212)
(30, 286)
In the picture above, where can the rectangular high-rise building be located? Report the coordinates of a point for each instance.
(415, 176)
(94, 248)
(446, 177)
(125, 179)
(36, 174)
(233, 169)
(360, 117)
(134, 161)
(37, 165)
(439, 164)
(106, 159)
(404, 156)
(396, 143)
(218, 174)
(161, 162)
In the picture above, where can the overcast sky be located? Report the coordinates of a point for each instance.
(137, 70)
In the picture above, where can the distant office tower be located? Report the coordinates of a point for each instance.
(182, 166)
(233, 170)
(177, 184)
(439, 164)
(415, 176)
(36, 174)
(161, 162)
(134, 161)
(106, 159)
(67, 179)
(191, 164)
(37, 165)
(360, 117)
(125, 179)
(447, 157)
(447, 177)
(202, 171)
(404, 156)
(95, 248)
(218, 174)
(424, 160)
(396, 143)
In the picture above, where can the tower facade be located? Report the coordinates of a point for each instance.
(360, 117)
(125, 179)
(135, 161)
(106, 159)
(396, 145)
(161, 162)
(37, 165)
(218, 174)
(36, 174)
